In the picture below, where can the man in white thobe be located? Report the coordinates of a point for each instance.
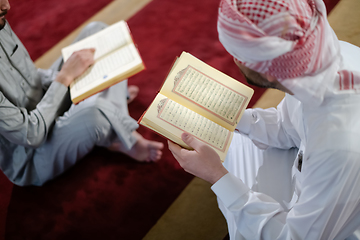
(291, 172)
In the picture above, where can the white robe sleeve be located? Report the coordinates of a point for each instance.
(319, 213)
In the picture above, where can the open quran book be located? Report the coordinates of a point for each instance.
(198, 99)
(116, 59)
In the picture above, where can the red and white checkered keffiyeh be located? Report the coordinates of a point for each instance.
(287, 39)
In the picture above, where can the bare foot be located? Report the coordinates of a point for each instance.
(133, 92)
(143, 150)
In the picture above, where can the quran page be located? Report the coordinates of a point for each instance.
(171, 119)
(207, 91)
(113, 37)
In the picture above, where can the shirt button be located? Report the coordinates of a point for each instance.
(22, 83)
(11, 68)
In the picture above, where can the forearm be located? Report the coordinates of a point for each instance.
(50, 104)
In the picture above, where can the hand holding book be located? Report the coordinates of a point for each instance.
(116, 59)
(202, 162)
(76, 65)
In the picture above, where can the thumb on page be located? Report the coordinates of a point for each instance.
(191, 141)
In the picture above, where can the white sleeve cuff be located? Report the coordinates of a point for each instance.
(230, 189)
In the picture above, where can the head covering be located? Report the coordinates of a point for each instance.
(287, 39)
(278, 37)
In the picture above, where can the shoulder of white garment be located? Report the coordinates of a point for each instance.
(230, 189)
(351, 56)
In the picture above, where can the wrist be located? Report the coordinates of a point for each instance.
(218, 174)
(64, 79)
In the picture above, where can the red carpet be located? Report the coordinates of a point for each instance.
(107, 195)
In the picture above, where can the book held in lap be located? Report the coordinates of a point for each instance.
(200, 100)
(116, 59)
